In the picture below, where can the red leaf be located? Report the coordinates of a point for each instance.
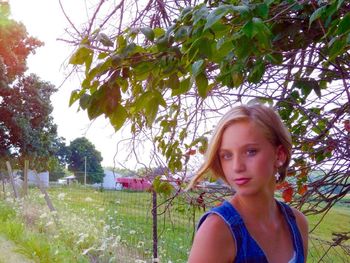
(191, 152)
(282, 185)
(347, 125)
(287, 194)
(302, 189)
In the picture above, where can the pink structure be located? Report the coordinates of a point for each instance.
(137, 184)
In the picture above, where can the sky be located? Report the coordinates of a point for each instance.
(45, 21)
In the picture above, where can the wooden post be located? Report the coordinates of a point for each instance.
(155, 234)
(47, 198)
(43, 191)
(9, 169)
(3, 184)
(25, 182)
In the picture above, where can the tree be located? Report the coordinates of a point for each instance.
(27, 130)
(82, 152)
(173, 69)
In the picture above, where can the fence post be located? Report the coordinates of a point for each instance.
(9, 169)
(155, 234)
(25, 181)
(3, 184)
(44, 192)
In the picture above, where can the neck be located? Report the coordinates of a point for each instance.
(258, 208)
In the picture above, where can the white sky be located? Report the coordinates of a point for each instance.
(45, 21)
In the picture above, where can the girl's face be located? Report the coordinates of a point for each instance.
(249, 161)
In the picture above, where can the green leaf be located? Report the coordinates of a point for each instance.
(80, 56)
(257, 72)
(200, 13)
(248, 29)
(307, 85)
(317, 14)
(182, 33)
(202, 85)
(344, 25)
(173, 81)
(337, 48)
(95, 109)
(75, 95)
(215, 15)
(197, 67)
(121, 42)
(148, 32)
(275, 58)
(243, 47)
(185, 86)
(256, 27)
(151, 110)
(262, 10)
(102, 55)
(237, 78)
(104, 39)
(84, 101)
(243, 10)
(118, 117)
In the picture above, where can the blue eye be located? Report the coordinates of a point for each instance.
(252, 152)
(225, 156)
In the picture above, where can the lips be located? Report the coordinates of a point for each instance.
(242, 181)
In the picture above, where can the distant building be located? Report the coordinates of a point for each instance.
(44, 178)
(67, 180)
(109, 180)
(133, 183)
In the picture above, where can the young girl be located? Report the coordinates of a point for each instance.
(250, 150)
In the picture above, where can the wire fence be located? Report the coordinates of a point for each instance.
(133, 227)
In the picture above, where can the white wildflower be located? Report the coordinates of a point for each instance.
(106, 228)
(87, 250)
(61, 196)
(88, 199)
(44, 215)
(140, 244)
(101, 209)
(49, 223)
(132, 232)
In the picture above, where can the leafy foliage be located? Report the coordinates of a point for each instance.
(173, 78)
(78, 150)
(27, 130)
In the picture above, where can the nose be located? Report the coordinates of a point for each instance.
(238, 164)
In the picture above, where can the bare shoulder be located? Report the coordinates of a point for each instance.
(303, 226)
(213, 242)
(301, 220)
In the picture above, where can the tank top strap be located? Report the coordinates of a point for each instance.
(246, 247)
(294, 230)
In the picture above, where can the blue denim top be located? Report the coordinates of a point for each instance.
(248, 249)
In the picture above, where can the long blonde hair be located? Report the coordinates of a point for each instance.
(266, 118)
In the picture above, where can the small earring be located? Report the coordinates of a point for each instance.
(279, 163)
(277, 175)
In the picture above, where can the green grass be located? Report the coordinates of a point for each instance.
(117, 226)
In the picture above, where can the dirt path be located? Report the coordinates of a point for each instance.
(8, 253)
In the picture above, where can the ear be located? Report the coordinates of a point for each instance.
(281, 156)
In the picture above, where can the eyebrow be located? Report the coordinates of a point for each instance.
(244, 146)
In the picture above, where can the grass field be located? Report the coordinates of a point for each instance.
(116, 226)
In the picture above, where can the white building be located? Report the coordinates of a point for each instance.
(109, 180)
(44, 178)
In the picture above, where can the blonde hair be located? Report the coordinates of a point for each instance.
(266, 119)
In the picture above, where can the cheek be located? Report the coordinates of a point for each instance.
(262, 165)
